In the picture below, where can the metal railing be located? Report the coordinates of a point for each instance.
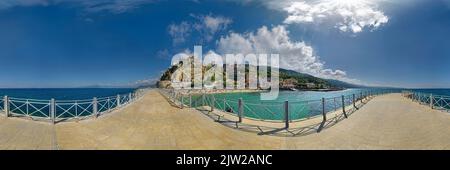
(437, 102)
(280, 112)
(63, 110)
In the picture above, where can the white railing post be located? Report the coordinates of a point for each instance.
(324, 117)
(419, 98)
(343, 106)
(94, 107)
(129, 97)
(118, 101)
(431, 101)
(213, 101)
(109, 105)
(354, 102)
(225, 104)
(240, 109)
(324, 114)
(190, 100)
(6, 105)
(203, 99)
(182, 102)
(52, 110)
(286, 114)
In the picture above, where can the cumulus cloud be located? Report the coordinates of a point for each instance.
(206, 25)
(210, 25)
(348, 15)
(113, 6)
(179, 32)
(294, 55)
(351, 16)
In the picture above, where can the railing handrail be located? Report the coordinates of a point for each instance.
(327, 105)
(435, 101)
(57, 110)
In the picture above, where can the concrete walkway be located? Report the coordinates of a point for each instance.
(386, 122)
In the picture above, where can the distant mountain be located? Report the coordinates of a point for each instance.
(306, 79)
(342, 84)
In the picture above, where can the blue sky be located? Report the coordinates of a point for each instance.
(72, 43)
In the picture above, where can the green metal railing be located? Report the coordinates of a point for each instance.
(280, 112)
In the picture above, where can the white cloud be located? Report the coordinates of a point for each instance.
(206, 25)
(348, 15)
(352, 16)
(179, 32)
(209, 25)
(294, 55)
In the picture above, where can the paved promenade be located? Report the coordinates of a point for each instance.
(386, 122)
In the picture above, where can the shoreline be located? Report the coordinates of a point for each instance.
(215, 91)
(222, 91)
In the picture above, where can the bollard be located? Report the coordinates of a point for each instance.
(286, 114)
(431, 101)
(52, 110)
(118, 101)
(241, 109)
(343, 106)
(6, 105)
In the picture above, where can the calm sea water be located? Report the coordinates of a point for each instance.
(64, 93)
(443, 92)
(292, 96)
(302, 104)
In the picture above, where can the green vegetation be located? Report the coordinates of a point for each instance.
(288, 79)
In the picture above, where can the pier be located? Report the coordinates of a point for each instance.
(390, 121)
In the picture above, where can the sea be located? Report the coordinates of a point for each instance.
(302, 104)
(63, 93)
(89, 93)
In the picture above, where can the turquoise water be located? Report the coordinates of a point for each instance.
(302, 104)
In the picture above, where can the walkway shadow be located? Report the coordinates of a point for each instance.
(277, 131)
(280, 132)
(171, 102)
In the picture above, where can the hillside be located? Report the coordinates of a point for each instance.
(289, 79)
